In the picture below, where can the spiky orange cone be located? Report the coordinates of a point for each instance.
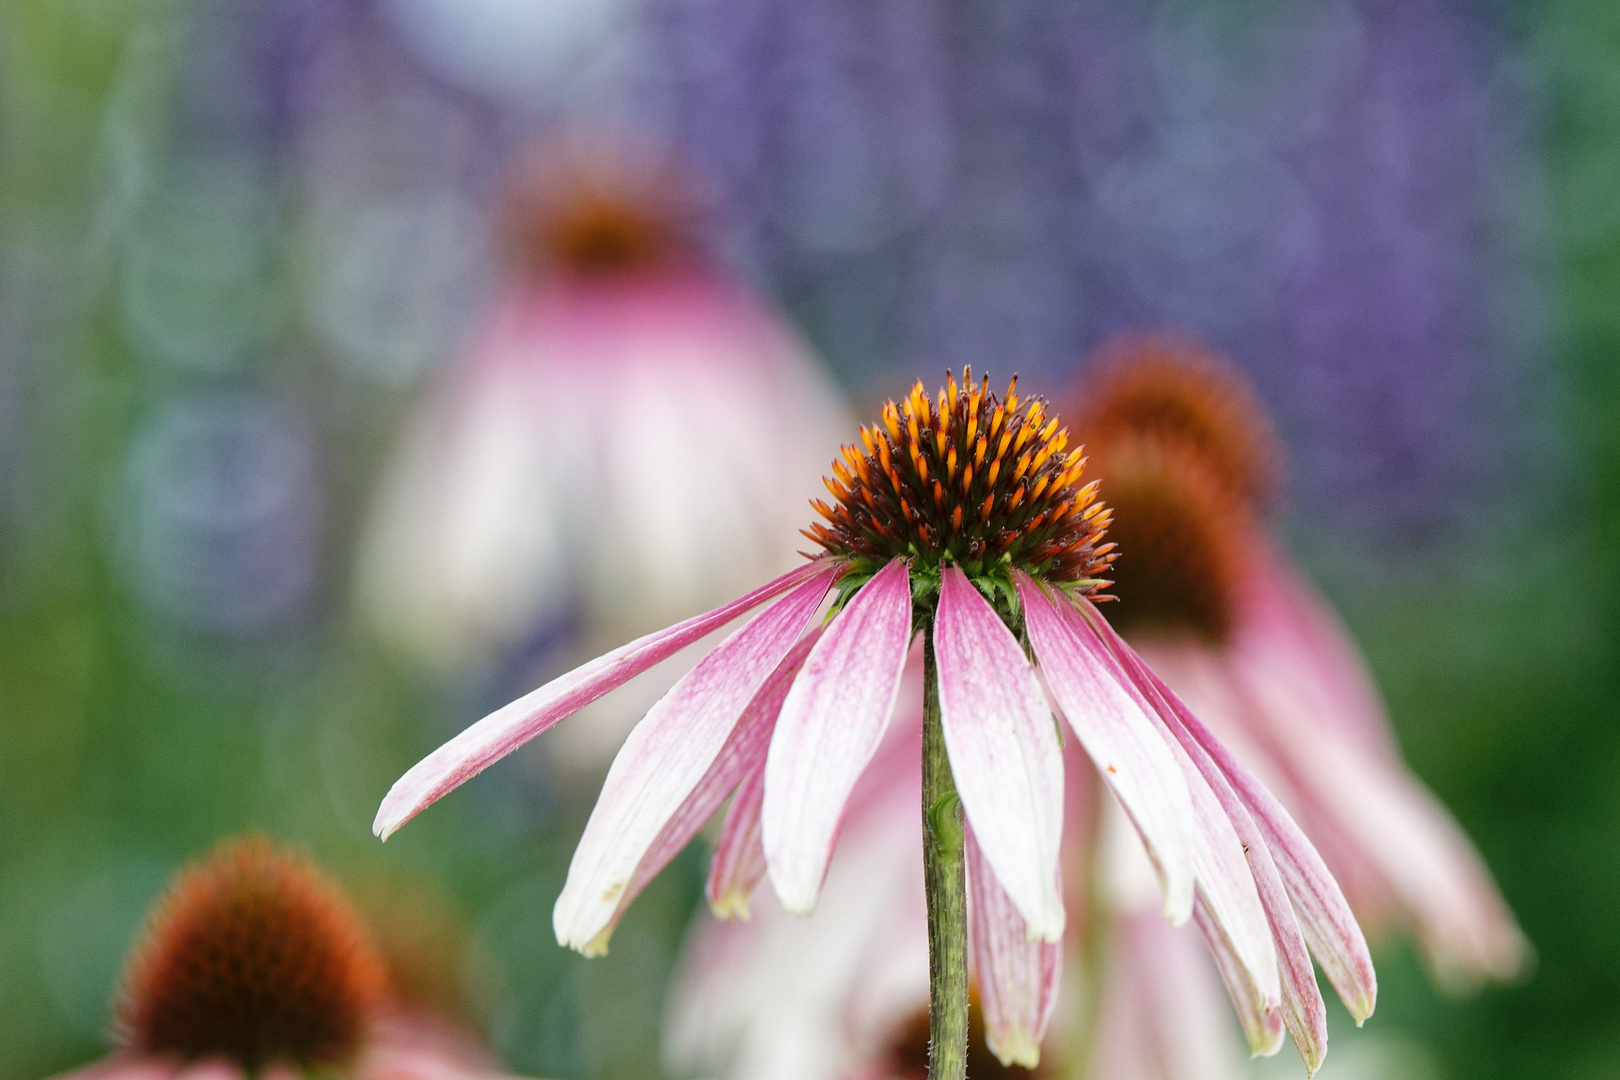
(255, 964)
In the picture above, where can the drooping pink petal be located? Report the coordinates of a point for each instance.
(1304, 1012)
(510, 726)
(1017, 975)
(1230, 900)
(646, 802)
(739, 858)
(1262, 1027)
(1212, 683)
(742, 757)
(1329, 926)
(785, 997)
(1004, 751)
(831, 724)
(1111, 720)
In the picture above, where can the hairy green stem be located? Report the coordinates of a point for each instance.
(946, 884)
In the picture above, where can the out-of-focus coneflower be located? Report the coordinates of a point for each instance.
(963, 518)
(254, 963)
(628, 438)
(1190, 464)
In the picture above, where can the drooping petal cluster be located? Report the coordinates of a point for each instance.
(1181, 449)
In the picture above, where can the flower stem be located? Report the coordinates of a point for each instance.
(946, 884)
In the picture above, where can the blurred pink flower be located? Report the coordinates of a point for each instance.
(255, 964)
(788, 717)
(1190, 466)
(629, 433)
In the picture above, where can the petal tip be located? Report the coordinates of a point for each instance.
(593, 947)
(1050, 929)
(798, 907)
(1178, 904)
(1016, 1048)
(731, 906)
(1362, 1007)
(388, 819)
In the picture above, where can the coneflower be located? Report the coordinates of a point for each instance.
(255, 963)
(964, 518)
(583, 463)
(254, 957)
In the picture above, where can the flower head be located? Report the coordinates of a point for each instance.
(986, 484)
(254, 956)
(1186, 541)
(255, 963)
(598, 215)
(1180, 394)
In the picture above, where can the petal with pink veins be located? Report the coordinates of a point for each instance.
(1017, 974)
(831, 724)
(1304, 1012)
(1112, 722)
(1230, 899)
(739, 858)
(1004, 751)
(647, 810)
(1262, 1027)
(742, 757)
(1329, 926)
(510, 726)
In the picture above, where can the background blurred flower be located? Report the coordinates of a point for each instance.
(629, 437)
(254, 963)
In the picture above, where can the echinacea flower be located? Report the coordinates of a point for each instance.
(589, 460)
(1191, 466)
(963, 519)
(254, 963)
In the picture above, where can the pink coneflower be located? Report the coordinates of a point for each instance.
(963, 518)
(588, 459)
(254, 963)
(1190, 466)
